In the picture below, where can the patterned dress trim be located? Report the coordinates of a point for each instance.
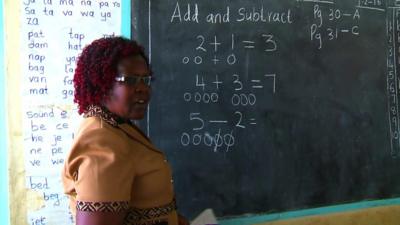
(102, 206)
(136, 214)
(151, 222)
(105, 114)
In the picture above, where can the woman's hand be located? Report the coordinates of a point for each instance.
(182, 220)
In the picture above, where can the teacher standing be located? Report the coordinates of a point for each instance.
(113, 174)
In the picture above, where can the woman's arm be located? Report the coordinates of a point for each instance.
(103, 175)
(99, 218)
(182, 220)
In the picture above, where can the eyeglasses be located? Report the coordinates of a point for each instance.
(135, 80)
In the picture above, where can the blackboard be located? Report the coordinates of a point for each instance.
(270, 106)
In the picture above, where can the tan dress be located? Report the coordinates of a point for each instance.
(113, 167)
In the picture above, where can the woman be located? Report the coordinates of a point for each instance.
(113, 174)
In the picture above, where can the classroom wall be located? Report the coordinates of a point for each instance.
(20, 202)
(18, 211)
(4, 209)
(28, 205)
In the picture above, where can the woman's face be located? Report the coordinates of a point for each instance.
(130, 100)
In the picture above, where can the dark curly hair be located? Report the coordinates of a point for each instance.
(96, 68)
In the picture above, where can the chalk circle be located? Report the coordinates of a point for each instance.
(185, 60)
(187, 96)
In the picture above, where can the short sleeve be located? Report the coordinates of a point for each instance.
(103, 174)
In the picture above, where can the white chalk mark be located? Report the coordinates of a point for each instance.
(249, 44)
(273, 76)
(233, 41)
(215, 43)
(370, 8)
(317, 1)
(218, 121)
